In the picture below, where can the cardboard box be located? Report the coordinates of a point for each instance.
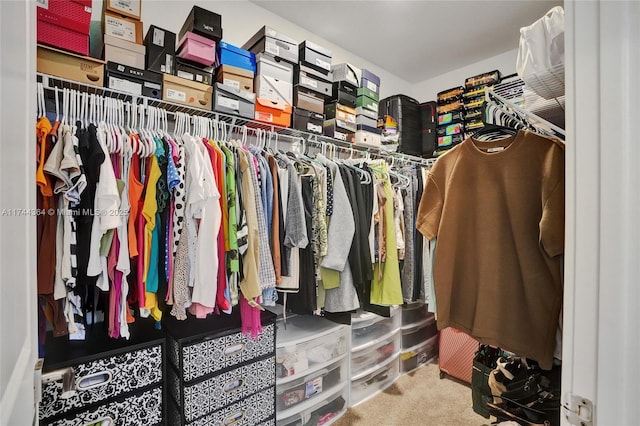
(229, 100)
(268, 66)
(161, 50)
(124, 52)
(313, 80)
(133, 80)
(370, 81)
(228, 54)
(238, 78)
(346, 72)
(340, 124)
(196, 48)
(315, 56)
(186, 92)
(307, 121)
(308, 100)
(74, 15)
(123, 28)
(367, 138)
(130, 8)
(267, 40)
(274, 90)
(69, 66)
(276, 113)
(341, 112)
(203, 22)
(193, 73)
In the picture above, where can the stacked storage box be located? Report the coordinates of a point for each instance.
(276, 55)
(195, 57)
(340, 111)
(235, 84)
(65, 24)
(400, 119)
(450, 129)
(215, 372)
(474, 98)
(368, 93)
(375, 349)
(419, 337)
(311, 370)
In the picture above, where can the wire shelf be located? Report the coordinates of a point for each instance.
(51, 82)
(549, 83)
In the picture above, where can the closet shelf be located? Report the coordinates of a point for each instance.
(51, 82)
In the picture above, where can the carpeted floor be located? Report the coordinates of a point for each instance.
(419, 398)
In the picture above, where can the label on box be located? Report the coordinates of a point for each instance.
(313, 387)
(422, 357)
(272, 48)
(125, 85)
(349, 118)
(314, 128)
(184, 74)
(309, 82)
(372, 107)
(264, 116)
(199, 78)
(87, 9)
(231, 83)
(153, 85)
(120, 28)
(176, 95)
(128, 6)
(43, 4)
(233, 104)
(324, 64)
(372, 86)
(158, 37)
(341, 136)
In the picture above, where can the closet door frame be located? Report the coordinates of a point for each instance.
(601, 345)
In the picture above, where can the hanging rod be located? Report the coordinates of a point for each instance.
(52, 83)
(490, 93)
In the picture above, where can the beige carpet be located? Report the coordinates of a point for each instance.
(419, 398)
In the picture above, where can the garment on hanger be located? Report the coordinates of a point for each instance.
(498, 255)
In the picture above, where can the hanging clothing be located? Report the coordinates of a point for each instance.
(506, 289)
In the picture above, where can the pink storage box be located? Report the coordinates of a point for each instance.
(74, 15)
(63, 38)
(196, 48)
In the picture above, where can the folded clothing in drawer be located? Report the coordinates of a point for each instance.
(378, 380)
(311, 386)
(417, 356)
(365, 359)
(415, 334)
(325, 410)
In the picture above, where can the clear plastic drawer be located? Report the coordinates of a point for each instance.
(324, 410)
(421, 332)
(367, 328)
(371, 357)
(413, 313)
(374, 382)
(417, 356)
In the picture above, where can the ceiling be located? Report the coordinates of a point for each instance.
(416, 40)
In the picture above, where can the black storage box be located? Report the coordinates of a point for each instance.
(276, 44)
(406, 112)
(449, 95)
(312, 79)
(315, 56)
(308, 121)
(344, 93)
(161, 50)
(133, 80)
(203, 22)
(230, 100)
(190, 72)
(485, 79)
(429, 121)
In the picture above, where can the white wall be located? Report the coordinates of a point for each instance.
(242, 19)
(427, 89)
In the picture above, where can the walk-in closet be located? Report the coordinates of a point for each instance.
(318, 213)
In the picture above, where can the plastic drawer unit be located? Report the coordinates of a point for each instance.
(413, 313)
(378, 380)
(419, 355)
(413, 335)
(324, 410)
(364, 360)
(367, 328)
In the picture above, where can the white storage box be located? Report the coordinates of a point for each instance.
(269, 67)
(124, 52)
(273, 89)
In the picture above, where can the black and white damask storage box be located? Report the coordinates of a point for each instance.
(117, 382)
(218, 375)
